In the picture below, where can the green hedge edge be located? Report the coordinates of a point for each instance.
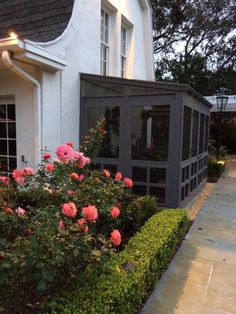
(116, 290)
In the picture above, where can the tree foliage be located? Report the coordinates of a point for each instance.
(195, 41)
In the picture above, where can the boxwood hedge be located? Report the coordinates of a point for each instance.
(125, 279)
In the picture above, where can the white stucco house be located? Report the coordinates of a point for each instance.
(44, 46)
(66, 64)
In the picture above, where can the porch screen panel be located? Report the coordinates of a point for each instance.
(186, 133)
(195, 133)
(201, 137)
(206, 134)
(110, 145)
(150, 132)
(7, 138)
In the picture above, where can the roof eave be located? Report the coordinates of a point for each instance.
(23, 50)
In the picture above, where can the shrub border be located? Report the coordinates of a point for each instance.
(117, 290)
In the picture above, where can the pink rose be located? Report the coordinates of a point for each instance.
(82, 161)
(116, 237)
(20, 180)
(4, 180)
(65, 153)
(128, 182)
(118, 176)
(49, 167)
(115, 212)
(29, 171)
(106, 173)
(81, 178)
(46, 156)
(74, 176)
(61, 225)
(76, 155)
(90, 213)
(17, 173)
(70, 192)
(81, 222)
(20, 211)
(69, 209)
(70, 144)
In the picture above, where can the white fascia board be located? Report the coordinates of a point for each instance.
(29, 52)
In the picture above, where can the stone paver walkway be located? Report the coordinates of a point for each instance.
(201, 278)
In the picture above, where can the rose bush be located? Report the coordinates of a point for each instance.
(57, 221)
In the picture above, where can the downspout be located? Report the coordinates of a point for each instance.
(38, 102)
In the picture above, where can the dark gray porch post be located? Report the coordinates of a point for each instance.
(174, 159)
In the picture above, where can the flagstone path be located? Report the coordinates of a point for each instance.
(201, 279)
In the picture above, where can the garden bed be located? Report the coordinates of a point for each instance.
(123, 282)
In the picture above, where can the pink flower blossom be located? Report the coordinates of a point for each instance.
(82, 161)
(65, 153)
(86, 229)
(69, 209)
(76, 155)
(116, 237)
(81, 222)
(74, 176)
(90, 213)
(29, 171)
(106, 173)
(81, 178)
(46, 156)
(20, 211)
(49, 167)
(118, 176)
(20, 180)
(61, 225)
(17, 173)
(128, 182)
(115, 212)
(70, 192)
(4, 180)
(70, 144)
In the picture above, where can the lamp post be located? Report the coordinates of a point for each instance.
(221, 102)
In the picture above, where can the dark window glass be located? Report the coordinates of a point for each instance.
(3, 164)
(12, 147)
(186, 133)
(12, 164)
(150, 132)
(159, 193)
(139, 174)
(186, 190)
(158, 175)
(2, 112)
(12, 130)
(195, 133)
(139, 190)
(112, 168)
(202, 120)
(183, 175)
(11, 113)
(110, 146)
(206, 134)
(3, 129)
(187, 173)
(3, 147)
(182, 194)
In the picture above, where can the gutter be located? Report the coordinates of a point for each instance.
(6, 57)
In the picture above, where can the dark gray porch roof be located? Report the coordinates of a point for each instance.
(149, 86)
(37, 20)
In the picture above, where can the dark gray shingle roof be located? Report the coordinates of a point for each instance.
(37, 20)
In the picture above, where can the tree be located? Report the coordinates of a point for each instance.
(194, 40)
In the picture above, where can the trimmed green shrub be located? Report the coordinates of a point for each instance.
(121, 284)
(215, 167)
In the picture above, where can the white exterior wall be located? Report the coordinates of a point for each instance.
(80, 45)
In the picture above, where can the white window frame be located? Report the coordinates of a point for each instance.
(105, 42)
(123, 50)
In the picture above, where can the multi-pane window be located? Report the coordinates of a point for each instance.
(104, 60)
(123, 51)
(7, 138)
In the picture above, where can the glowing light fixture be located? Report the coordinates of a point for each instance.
(13, 35)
